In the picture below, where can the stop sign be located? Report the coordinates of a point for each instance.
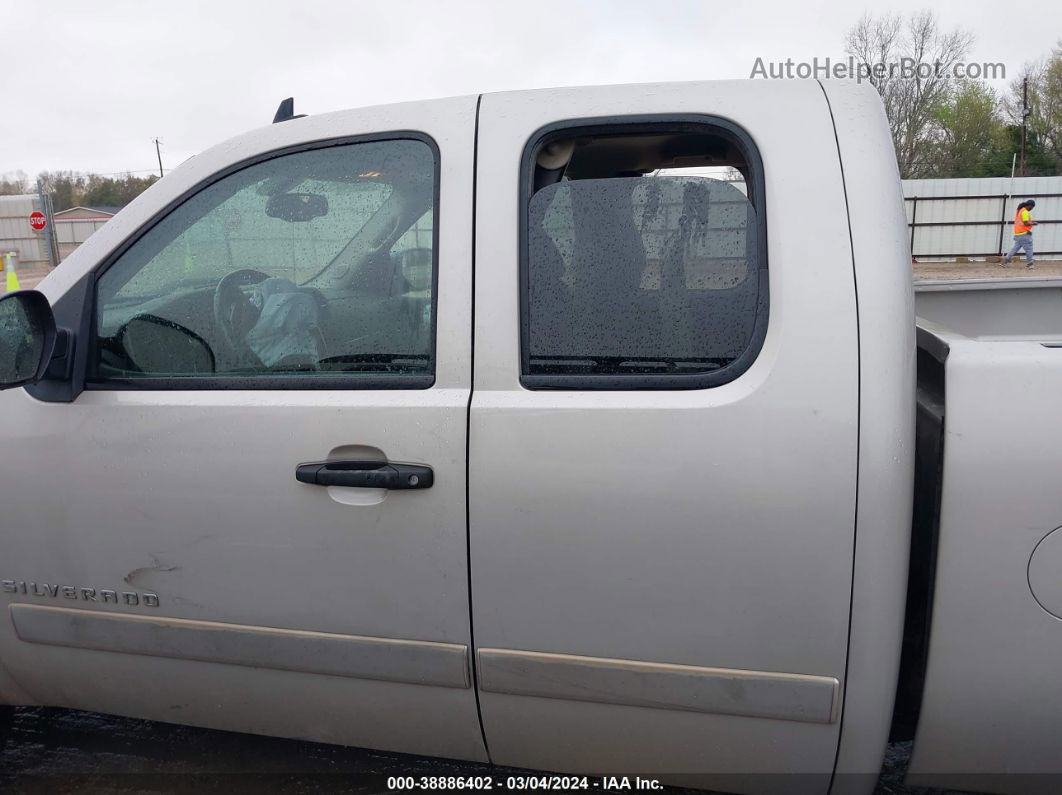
(37, 220)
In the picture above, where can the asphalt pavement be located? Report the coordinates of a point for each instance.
(57, 751)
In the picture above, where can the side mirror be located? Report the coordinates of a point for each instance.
(27, 338)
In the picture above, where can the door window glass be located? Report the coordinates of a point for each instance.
(643, 261)
(315, 264)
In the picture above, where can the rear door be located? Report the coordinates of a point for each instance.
(663, 432)
(299, 295)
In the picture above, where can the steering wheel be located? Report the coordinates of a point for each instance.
(235, 315)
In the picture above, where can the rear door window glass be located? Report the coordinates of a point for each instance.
(636, 274)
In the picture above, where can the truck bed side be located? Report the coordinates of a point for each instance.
(990, 711)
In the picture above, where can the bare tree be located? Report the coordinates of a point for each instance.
(909, 63)
(14, 183)
(973, 139)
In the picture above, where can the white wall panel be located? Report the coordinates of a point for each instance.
(986, 202)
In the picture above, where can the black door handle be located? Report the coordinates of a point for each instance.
(366, 474)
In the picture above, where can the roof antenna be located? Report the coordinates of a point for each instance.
(286, 111)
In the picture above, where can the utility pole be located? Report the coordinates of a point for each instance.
(159, 153)
(1024, 119)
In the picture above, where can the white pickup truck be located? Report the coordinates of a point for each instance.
(571, 430)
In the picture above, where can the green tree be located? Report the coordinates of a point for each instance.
(1038, 160)
(971, 137)
(66, 188)
(1050, 107)
(73, 189)
(115, 192)
(1043, 145)
(100, 192)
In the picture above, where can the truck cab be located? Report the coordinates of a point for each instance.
(569, 429)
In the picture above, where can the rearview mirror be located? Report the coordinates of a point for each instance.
(296, 207)
(27, 338)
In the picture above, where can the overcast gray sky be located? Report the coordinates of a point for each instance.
(87, 86)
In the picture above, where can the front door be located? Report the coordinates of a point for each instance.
(304, 298)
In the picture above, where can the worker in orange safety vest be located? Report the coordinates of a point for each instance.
(1023, 237)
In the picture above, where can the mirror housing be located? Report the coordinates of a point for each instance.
(27, 338)
(297, 207)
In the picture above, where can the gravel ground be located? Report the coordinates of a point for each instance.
(1045, 269)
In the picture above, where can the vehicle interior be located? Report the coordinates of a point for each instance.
(316, 262)
(641, 251)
